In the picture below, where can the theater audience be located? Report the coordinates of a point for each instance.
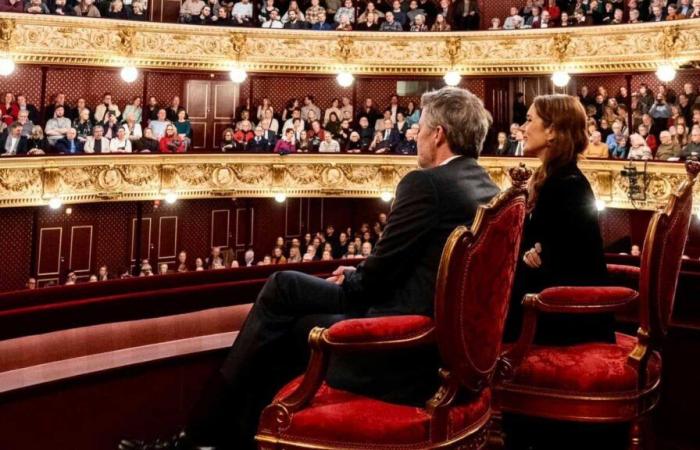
(146, 143)
(69, 145)
(13, 143)
(57, 127)
(171, 142)
(97, 143)
(37, 143)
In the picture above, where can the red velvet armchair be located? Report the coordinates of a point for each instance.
(471, 299)
(603, 382)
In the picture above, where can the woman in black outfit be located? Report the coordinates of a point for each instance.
(561, 246)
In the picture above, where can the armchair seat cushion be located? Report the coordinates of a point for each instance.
(585, 368)
(337, 417)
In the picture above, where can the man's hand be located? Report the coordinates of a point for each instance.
(339, 275)
(532, 256)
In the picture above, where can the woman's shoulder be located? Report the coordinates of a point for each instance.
(567, 182)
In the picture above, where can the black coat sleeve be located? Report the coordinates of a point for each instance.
(413, 216)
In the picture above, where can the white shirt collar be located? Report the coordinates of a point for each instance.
(447, 161)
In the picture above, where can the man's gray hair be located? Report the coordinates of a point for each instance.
(462, 116)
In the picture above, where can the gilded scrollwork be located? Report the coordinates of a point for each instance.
(64, 40)
(19, 181)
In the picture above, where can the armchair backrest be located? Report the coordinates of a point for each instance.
(662, 255)
(474, 285)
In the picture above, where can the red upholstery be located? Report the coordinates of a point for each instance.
(379, 329)
(585, 368)
(587, 296)
(336, 417)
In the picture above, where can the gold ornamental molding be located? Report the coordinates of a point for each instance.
(38, 39)
(81, 179)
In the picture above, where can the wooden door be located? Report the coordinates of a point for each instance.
(210, 105)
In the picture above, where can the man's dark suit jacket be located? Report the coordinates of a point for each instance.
(21, 145)
(63, 146)
(262, 146)
(565, 222)
(399, 276)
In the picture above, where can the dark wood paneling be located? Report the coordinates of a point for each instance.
(49, 258)
(293, 217)
(145, 238)
(220, 222)
(167, 237)
(197, 99)
(81, 245)
(245, 218)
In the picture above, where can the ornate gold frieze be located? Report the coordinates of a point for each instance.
(79, 179)
(98, 42)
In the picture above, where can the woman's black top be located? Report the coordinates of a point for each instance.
(565, 222)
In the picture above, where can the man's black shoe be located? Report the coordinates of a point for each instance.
(177, 442)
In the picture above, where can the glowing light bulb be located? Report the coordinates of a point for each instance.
(666, 73)
(561, 78)
(452, 78)
(386, 196)
(345, 79)
(7, 66)
(170, 198)
(600, 205)
(280, 197)
(55, 203)
(238, 75)
(129, 74)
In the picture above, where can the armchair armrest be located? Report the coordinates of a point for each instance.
(623, 275)
(582, 299)
(368, 334)
(380, 332)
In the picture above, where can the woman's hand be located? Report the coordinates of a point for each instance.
(532, 256)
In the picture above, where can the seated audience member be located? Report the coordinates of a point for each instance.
(132, 127)
(370, 8)
(370, 23)
(274, 20)
(36, 142)
(32, 111)
(562, 243)
(596, 148)
(221, 18)
(366, 249)
(204, 18)
(163, 269)
(287, 143)
(215, 260)
(146, 143)
(117, 10)
(190, 9)
(322, 24)
(182, 262)
(668, 148)
(294, 23)
(110, 125)
(71, 278)
(293, 6)
(408, 146)
(13, 143)
(69, 145)
(228, 144)
(183, 126)
(25, 123)
(146, 269)
(92, 279)
(57, 126)
(390, 24)
(294, 255)
(120, 143)
(171, 142)
(344, 24)
(244, 134)
(97, 143)
(158, 126)
(242, 13)
(106, 107)
(390, 134)
(329, 145)
(198, 265)
(495, 24)
(418, 24)
(347, 10)
(278, 256)
(502, 144)
(9, 109)
(440, 24)
(85, 8)
(137, 11)
(354, 143)
(151, 110)
(649, 139)
(693, 147)
(259, 143)
(134, 108)
(103, 274)
(36, 7)
(83, 125)
(513, 21)
(31, 283)
(314, 12)
(616, 141)
(15, 6)
(638, 148)
(249, 258)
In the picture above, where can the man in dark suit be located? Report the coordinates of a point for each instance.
(397, 278)
(70, 145)
(391, 136)
(13, 143)
(259, 143)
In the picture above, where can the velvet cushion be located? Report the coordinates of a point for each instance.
(623, 275)
(587, 296)
(592, 368)
(379, 329)
(339, 417)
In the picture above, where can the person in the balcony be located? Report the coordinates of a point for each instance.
(397, 277)
(562, 244)
(171, 142)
